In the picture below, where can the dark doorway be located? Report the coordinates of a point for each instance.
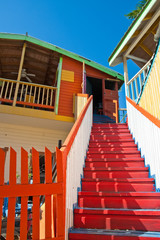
(94, 87)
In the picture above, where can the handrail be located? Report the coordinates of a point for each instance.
(140, 71)
(124, 115)
(68, 156)
(27, 83)
(29, 94)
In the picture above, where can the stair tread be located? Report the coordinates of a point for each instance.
(118, 194)
(126, 180)
(114, 232)
(116, 169)
(117, 211)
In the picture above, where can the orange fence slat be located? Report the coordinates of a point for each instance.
(11, 201)
(54, 214)
(2, 161)
(36, 201)
(11, 218)
(48, 179)
(60, 216)
(24, 200)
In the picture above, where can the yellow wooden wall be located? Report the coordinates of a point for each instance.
(150, 99)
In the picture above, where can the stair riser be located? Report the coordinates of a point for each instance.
(117, 187)
(110, 126)
(108, 237)
(109, 137)
(118, 130)
(119, 151)
(109, 145)
(137, 159)
(113, 155)
(122, 222)
(120, 174)
(114, 164)
(119, 202)
(120, 134)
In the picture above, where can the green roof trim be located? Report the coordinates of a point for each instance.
(131, 30)
(61, 51)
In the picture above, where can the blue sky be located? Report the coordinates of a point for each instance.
(89, 28)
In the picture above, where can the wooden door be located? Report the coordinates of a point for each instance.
(110, 98)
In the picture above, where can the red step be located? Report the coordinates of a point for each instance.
(116, 173)
(117, 186)
(118, 201)
(135, 219)
(102, 163)
(93, 234)
(132, 200)
(112, 144)
(109, 125)
(113, 149)
(116, 154)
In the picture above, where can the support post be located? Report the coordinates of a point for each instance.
(19, 73)
(58, 84)
(125, 73)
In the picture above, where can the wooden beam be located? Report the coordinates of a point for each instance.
(19, 73)
(143, 32)
(146, 49)
(148, 16)
(136, 33)
(136, 58)
(125, 48)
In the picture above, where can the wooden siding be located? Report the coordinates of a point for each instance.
(150, 99)
(27, 137)
(67, 89)
(92, 72)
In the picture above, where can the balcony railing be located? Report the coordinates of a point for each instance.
(134, 86)
(28, 94)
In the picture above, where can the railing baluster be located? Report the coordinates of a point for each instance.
(132, 89)
(35, 88)
(6, 91)
(2, 89)
(43, 96)
(47, 96)
(26, 93)
(21, 92)
(51, 97)
(30, 93)
(38, 95)
(11, 90)
(136, 87)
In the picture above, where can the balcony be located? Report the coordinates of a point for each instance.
(29, 95)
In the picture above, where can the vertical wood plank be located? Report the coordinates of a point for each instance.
(48, 179)
(24, 200)
(12, 200)
(2, 162)
(60, 204)
(54, 214)
(36, 202)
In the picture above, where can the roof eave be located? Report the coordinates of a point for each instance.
(133, 27)
(61, 51)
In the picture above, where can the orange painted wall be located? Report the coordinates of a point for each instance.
(67, 89)
(92, 72)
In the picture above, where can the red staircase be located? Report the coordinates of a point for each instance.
(118, 200)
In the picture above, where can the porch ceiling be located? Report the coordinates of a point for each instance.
(38, 60)
(138, 42)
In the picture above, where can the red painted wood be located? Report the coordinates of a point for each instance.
(115, 179)
(2, 161)
(36, 200)
(24, 200)
(12, 200)
(48, 179)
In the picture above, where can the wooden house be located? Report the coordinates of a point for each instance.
(38, 86)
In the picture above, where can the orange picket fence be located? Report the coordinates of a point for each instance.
(53, 192)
